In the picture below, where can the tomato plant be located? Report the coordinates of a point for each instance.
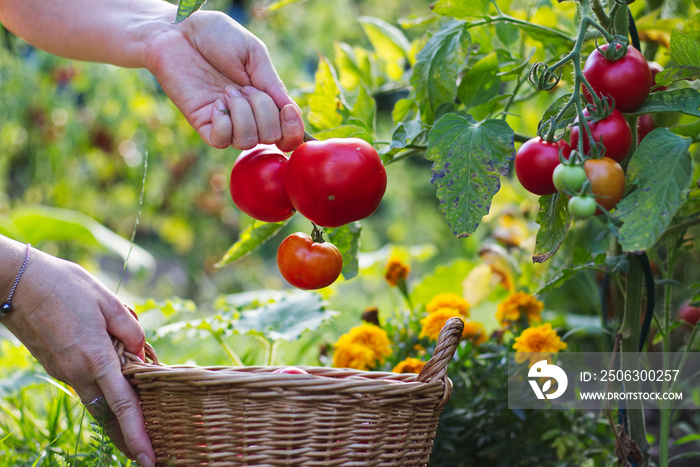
(612, 132)
(655, 69)
(535, 162)
(688, 313)
(645, 123)
(626, 80)
(336, 181)
(308, 264)
(257, 184)
(569, 178)
(607, 181)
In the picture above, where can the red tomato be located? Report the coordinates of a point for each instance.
(307, 264)
(613, 132)
(607, 181)
(257, 184)
(336, 181)
(689, 314)
(291, 370)
(645, 123)
(655, 69)
(627, 80)
(535, 162)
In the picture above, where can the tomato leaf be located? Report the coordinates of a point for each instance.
(405, 134)
(461, 9)
(437, 67)
(285, 319)
(686, 100)
(345, 131)
(553, 110)
(554, 220)
(364, 110)
(661, 170)
(684, 49)
(347, 239)
(257, 233)
(677, 73)
(481, 82)
(468, 159)
(326, 99)
(387, 40)
(185, 8)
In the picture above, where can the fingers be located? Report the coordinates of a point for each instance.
(122, 324)
(254, 118)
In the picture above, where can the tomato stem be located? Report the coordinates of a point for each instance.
(317, 234)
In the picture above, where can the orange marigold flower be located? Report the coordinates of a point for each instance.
(435, 321)
(396, 270)
(449, 300)
(475, 332)
(362, 348)
(410, 365)
(519, 306)
(537, 343)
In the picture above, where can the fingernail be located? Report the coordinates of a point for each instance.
(144, 460)
(248, 90)
(231, 91)
(221, 107)
(290, 114)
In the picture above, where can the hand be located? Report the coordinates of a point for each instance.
(221, 78)
(65, 316)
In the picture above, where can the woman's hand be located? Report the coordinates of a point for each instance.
(65, 317)
(221, 78)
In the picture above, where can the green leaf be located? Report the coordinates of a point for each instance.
(686, 100)
(691, 28)
(677, 73)
(438, 66)
(168, 307)
(257, 233)
(387, 40)
(480, 83)
(661, 170)
(364, 110)
(279, 4)
(554, 220)
(684, 49)
(613, 264)
(557, 106)
(461, 8)
(345, 131)
(38, 224)
(468, 159)
(325, 101)
(285, 319)
(350, 74)
(347, 239)
(185, 8)
(404, 134)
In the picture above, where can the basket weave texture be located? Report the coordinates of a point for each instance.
(249, 416)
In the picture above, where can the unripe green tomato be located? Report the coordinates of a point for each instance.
(582, 207)
(569, 178)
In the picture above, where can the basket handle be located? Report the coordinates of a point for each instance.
(435, 369)
(127, 357)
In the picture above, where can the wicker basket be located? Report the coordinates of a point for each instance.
(230, 416)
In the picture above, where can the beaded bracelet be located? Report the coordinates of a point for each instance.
(6, 307)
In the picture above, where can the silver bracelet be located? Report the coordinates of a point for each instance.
(6, 307)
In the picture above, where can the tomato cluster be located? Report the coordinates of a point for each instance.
(594, 180)
(331, 183)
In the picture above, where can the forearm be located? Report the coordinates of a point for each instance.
(108, 31)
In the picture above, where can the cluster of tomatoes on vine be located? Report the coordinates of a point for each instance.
(591, 175)
(331, 183)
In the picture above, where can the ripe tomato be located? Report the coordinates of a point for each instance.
(535, 162)
(627, 80)
(689, 314)
(645, 123)
(257, 184)
(582, 207)
(655, 69)
(607, 181)
(336, 181)
(569, 178)
(613, 132)
(307, 264)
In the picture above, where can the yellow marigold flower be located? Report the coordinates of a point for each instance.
(435, 321)
(519, 306)
(475, 332)
(410, 365)
(539, 341)
(449, 300)
(362, 347)
(396, 270)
